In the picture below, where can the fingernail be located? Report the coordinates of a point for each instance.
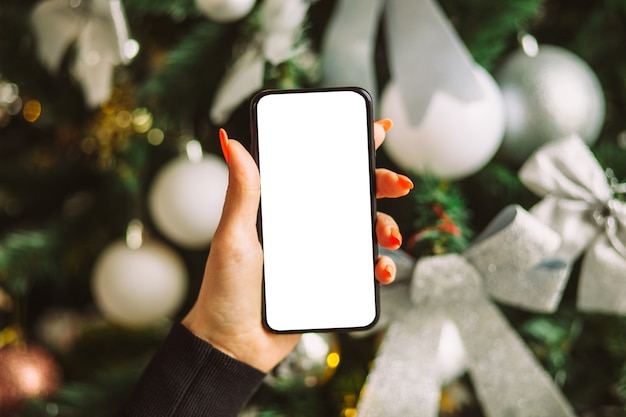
(224, 145)
(387, 124)
(405, 182)
(396, 237)
(388, 272)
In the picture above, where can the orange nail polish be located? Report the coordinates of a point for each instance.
(224, 145)
(387, 124)
(396, 237)
(405, 182)
(387, 272)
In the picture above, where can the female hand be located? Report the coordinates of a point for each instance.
(227, 313)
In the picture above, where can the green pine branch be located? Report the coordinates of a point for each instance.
(489, 28)
(187, 80)
(440, 218)
(177, 10)
(102, 396)
(26, 257)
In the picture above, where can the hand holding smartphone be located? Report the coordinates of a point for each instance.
(315, 152)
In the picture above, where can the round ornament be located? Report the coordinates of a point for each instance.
(547, 97)
(58, 328)
(26, 371)
(454, 139)
(186, 199)
(225, 10)
(311, 363)
(138, 287)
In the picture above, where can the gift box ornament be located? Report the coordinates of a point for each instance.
(581, 203)
(511, 262)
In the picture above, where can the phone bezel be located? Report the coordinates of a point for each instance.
(372, 180)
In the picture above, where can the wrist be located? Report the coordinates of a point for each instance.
(227, 343)
(253, 346)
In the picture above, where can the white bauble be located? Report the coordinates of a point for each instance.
(225, 10)
(138, 287)
(454, 139)
(186, 199)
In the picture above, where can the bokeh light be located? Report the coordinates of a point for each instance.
(31, 110)
(155, 136)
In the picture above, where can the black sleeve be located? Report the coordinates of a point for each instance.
(189, 377)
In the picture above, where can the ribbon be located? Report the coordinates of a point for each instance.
(281, 26)
(514, 249)
(100, 31)
(425, 52)
(582, 206)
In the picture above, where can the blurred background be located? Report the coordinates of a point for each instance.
(111, 185)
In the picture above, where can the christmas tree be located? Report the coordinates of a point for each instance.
(112, 180)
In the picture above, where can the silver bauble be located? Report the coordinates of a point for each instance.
(312, 362)
(547, 97)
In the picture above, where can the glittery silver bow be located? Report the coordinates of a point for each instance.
(425, 52)
(509, 261)
(582, 206)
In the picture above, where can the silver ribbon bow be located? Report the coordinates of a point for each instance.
(100, 31)
(425, 52)
(582, 206)
(507, 261)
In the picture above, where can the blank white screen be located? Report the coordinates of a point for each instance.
(316, 210)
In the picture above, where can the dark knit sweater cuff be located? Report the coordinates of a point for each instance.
(189, 377)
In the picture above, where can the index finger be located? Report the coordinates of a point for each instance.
(381, 127)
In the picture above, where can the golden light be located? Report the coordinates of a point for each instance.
(155, 136)
(31, 110)
(123, 119)
(333, 360)
(349, 412)
(142, 120)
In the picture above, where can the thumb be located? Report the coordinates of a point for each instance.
(243, 193)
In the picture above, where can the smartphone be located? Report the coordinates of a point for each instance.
(315, 153)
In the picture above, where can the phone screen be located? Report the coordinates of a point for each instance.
(315, 153)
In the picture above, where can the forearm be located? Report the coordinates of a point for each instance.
(188, 377)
